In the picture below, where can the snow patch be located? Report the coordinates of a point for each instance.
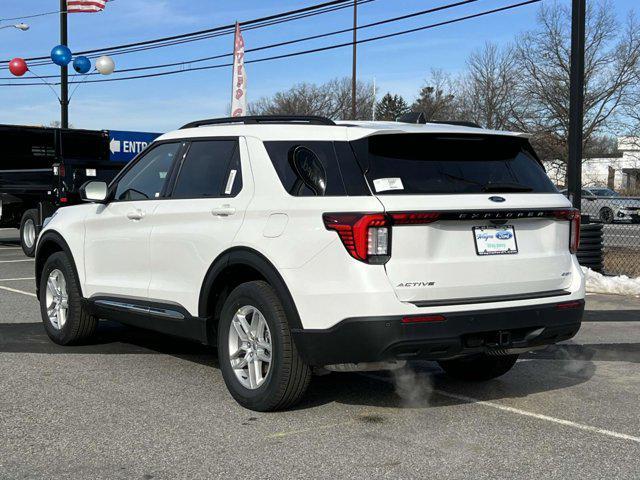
(621, 285)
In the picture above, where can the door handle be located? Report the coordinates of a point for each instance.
(223, 211)
(135, 215)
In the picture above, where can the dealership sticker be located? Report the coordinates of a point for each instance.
(230, 180)
(384, 184)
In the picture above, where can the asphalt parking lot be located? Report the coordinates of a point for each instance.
(140, 405)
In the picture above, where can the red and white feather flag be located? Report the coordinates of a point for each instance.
(86, 6)
(239, 87)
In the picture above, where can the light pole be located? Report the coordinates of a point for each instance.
(64, 71)
(20, 26)
(353, 66)
(576, 102)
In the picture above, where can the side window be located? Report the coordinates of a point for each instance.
(147, 177)
(211, 169)
(283, 156)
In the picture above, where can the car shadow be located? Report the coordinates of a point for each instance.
(611, 316)
(419, 385)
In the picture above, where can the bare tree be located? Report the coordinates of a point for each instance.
(487, 90)
(437, 99)
(612, 57)
(331, 99)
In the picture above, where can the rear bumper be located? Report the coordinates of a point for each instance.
(372, 339)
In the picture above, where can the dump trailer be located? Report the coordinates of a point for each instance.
(41, 170)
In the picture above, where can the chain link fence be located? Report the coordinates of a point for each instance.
(620, 219)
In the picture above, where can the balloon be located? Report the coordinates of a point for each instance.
(105, 65)
(61, 55)
(81, 64)
(18, 67)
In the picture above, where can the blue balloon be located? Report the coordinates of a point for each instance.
(81, 64)
(61, 55)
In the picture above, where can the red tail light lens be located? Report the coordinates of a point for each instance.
(366, 236)
(414, 218)
(573, 215)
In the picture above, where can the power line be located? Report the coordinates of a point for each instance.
(288, 42)
(199, 32)
(314, 50)
(227, 31)
(29, 16)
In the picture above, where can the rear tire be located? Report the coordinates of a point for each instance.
(478, 368)
(29, 232)
(279, 382)
(64, 315)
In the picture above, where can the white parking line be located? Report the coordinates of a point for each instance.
(15, 290)
(16, 261)
(16, 279)
(547, 418)
(10, 248)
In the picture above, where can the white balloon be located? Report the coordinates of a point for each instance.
(105, 65)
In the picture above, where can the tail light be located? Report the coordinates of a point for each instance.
(367, 236)
(573, 215)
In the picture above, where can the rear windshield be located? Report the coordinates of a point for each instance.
(402, 164)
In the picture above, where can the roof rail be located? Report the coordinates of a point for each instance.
(419, 117)
(257, 119)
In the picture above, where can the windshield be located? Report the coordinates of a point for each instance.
(441, 164)
(604, 192)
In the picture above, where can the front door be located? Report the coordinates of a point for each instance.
(117, 234)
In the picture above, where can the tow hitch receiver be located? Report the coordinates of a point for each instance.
(504, 338)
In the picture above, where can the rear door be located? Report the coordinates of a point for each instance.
(213, 187)
(493, 232)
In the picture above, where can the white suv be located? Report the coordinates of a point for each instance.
(297, 244)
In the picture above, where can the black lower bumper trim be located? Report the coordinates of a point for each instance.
(371, 339)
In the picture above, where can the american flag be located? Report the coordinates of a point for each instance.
(85, 6)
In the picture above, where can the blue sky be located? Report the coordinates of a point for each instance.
(399, 65)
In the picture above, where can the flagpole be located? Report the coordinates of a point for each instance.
(233, 69)
(64, 72)
(354, 63)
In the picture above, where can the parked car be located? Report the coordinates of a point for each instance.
(608, 206)
(295, 244)
(41, 170)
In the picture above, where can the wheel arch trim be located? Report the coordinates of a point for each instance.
(46, 238)
(249, 257)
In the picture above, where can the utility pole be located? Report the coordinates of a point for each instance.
(353, 67)
(576, 102)
(64, 71)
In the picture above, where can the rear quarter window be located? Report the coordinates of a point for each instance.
(343, 175)
(402, 164)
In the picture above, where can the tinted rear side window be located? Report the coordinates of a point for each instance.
(435, 164)
(210, 169)
(343, 175)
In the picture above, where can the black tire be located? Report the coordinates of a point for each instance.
(288, 376)
(79, 325)
(606, 215)
(29, 220)
(478, 368)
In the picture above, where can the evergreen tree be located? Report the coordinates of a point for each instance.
(391, 107)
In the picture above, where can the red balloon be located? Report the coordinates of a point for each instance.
(18, 67)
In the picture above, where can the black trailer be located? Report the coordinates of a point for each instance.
(41, 170)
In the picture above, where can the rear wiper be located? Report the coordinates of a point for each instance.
(505, 187)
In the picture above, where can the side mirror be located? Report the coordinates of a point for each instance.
(94, 191)
(309, 170)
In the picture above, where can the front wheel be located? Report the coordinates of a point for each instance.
(606, 215)
(64, 315)
(258, 358)
(478, 368)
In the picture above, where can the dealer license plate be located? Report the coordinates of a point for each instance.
(495, 240)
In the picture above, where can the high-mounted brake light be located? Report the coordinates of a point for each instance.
(573, 215)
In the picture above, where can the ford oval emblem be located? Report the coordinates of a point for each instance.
(504, 235)
(497, 199)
